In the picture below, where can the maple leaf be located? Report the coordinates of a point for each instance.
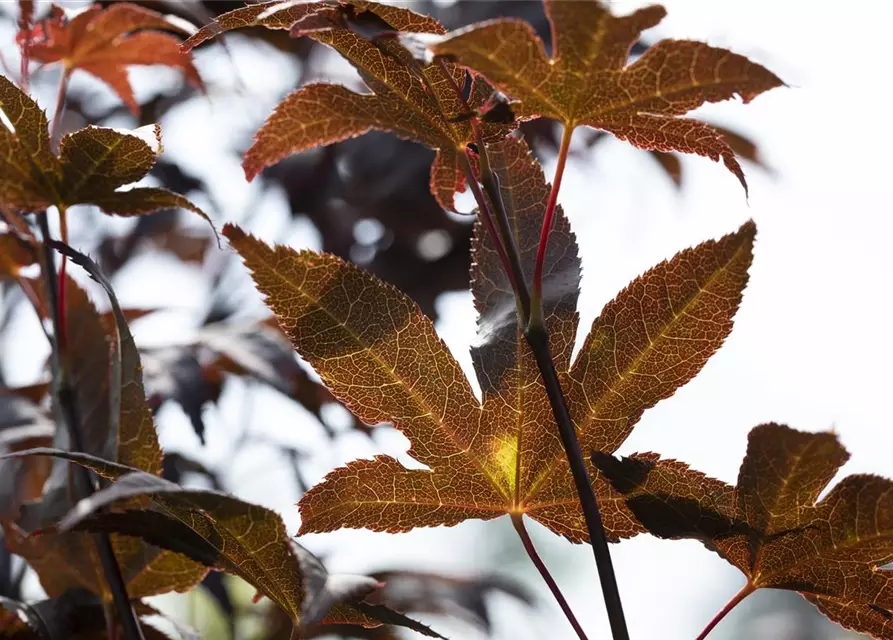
(409, 98)
(93, 164)
(587, 80)
(382, 358)
(104, 42)
(770, 526)
(225, 533)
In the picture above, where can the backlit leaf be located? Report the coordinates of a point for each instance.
(94, 163)
(105, 42)
(770, 525)
(226, 533)
(382, 358)
(413, 100)
(29, 171)
(587, 80)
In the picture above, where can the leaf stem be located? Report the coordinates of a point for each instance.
(487, 216)
(536, 293)
(746, 590)
(85, 483)
(512, 261)
(538, 339)
(518, 522)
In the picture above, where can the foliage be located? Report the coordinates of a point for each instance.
(382, 358)
(770, 526)
(90, 502)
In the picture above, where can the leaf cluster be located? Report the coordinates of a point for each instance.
(463, 94)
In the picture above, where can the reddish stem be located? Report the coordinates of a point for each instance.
(61, 95)
(746, 590)
(536, 291)
(487, 216)
(518, 521)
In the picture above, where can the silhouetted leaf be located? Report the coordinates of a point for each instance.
(587, 81)
(104, 42)
(771, 528)
(439, 594)
(131, 425)
(413, 100)
(381, 357)
(23, 425)
(192, 374)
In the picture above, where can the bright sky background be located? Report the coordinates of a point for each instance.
(809, 347)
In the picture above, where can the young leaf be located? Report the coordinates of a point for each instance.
(413, 100)
(94, 163)
(381, 357)
(771, 528)
(223, 532)
(587, 80)
(104, 42)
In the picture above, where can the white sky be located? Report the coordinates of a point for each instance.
(809, 348)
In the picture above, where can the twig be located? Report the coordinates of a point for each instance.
(537, 338)
(85, 483)
(746, 590)
(505, 240)
(518, 522)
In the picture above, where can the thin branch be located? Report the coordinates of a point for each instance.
(487, 217)
(538, 339)
(518, 522)
(85, 483)
(512, 262)
(746, 590)
(537, 287)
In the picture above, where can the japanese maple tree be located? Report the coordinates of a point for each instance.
(89, 505)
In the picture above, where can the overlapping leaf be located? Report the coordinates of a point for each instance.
(381, 357)
(770, 525)
(587, 81)
(115, 422)
(104, 42)
(94, 163)
(411, 99)
(225, 533)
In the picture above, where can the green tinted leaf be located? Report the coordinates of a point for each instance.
(29, 171)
